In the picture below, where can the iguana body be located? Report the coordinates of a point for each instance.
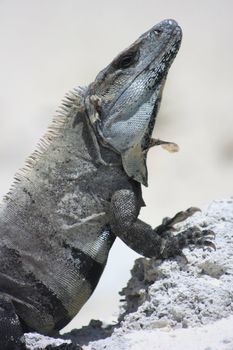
(81, 189)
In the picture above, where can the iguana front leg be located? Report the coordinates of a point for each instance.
(147, 241)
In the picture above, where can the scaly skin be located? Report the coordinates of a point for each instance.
(82, 188)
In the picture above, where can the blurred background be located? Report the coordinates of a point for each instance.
(49, 47)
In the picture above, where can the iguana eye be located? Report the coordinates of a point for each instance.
(126, 60)
(158, 32)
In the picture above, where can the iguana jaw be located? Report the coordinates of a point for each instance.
(123, 101)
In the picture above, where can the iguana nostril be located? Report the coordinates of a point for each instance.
(171, 22)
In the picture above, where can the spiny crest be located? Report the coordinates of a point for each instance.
(69, 103)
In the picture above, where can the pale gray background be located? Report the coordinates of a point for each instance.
(48, 47)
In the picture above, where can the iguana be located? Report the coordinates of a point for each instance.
(82, 188)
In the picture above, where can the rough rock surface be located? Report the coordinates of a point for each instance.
(173, 302)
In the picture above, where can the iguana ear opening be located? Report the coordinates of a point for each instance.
(134, 163)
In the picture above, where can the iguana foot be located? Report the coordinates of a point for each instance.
(168, 223)
(173, 244)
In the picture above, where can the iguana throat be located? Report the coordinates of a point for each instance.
(126, 96)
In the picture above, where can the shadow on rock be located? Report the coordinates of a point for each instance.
(94, 331)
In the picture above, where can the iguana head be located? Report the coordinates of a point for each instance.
(123, 101)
